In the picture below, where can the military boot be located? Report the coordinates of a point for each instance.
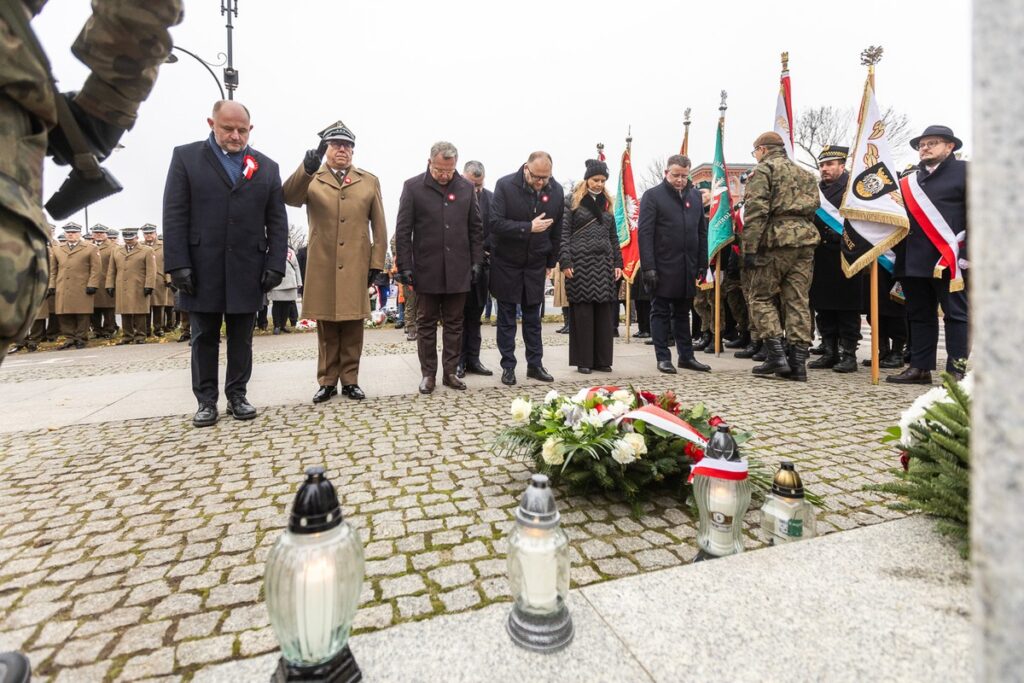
(752, 348)
(740, 342)
(798, 364)
(820, 349)
(701, 342)
(894, 359)
(829, 357)
(762, 353)
(775, 361)
(847, 356)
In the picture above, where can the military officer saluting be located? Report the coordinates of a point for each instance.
(130, 280)
(74, 277)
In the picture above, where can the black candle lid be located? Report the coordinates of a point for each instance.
(722, 445)
(316, 505)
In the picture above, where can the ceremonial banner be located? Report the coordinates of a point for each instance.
(873, 204)
(720, 226)
(829, 214)
(627, 211)
(784, 109)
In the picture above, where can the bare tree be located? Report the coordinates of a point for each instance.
(820, 126)
(297, 236)
(650, 176)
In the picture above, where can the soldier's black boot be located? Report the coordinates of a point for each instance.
(797, 363)
(820, 349)
(829, 357)
(701, 342)
(894, 359)
(775, 362)
(762, 353)
(847, 356)
(740, 342)
(752, 348)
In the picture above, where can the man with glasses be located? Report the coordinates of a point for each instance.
(439, 245)
(348, 242)
(526, 228)
(931, 262)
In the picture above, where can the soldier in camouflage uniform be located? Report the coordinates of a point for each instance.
(778, 244)
(123, 43)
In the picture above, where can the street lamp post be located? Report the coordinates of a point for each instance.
(230, 9)
(172, 59)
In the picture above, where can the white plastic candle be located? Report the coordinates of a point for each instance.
(540, 569)
(316, 591)
(721, 507)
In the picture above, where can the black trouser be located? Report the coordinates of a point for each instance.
(590, 334)
(643, 316)
(206, 348)
(471, 338)
(261, 318)
(104, 322)
(281, 311)
(448, 309)
(664, 314)
(839, 324)
(924, 295)
(506, 334)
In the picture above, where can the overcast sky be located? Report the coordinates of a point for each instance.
(500, 80)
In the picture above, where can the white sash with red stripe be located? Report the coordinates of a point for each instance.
(733, 470)
(936, 229)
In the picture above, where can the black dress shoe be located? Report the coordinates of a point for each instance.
(477, 368)
(184, 337)
(911, 376)
(643, 335)
(649, 342)
(667, 367)
(240, 409)
(69, 344)
(583, 371)
(427, 385)
(693, 364)
(453, 382)
(206, 416)
(701, 342)
(508, 376)
(285, 330)
(460, 370)
(562, 330)
(353, 392)
(603, 368)
(80, 345)
(324, 393)
(538, 373)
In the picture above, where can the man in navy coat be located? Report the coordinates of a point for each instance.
(225, 243)
(673, 253)
(935, 247)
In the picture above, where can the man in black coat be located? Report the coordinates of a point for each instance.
(476, 300)
(439, 241)
(225, 243)
(932, 261)
(526, 220)
(835, 298)
(673, 251)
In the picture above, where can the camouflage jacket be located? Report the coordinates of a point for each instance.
(779, 205)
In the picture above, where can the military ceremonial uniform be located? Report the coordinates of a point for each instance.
(74, 278)
(104, 322)
(123, 44)
(778, 244)
(132, 276)
(161, 302)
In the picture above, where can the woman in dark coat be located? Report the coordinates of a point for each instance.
(592, 264)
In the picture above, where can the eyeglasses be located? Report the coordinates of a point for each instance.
(541, 178)
(926, 144)
(343, 144)
(442, 171)
(753, 152)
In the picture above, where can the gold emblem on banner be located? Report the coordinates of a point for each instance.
(873, 183)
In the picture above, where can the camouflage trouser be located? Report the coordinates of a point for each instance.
(704, 304)
(751, 320)
(784, 273)
(732, 292)
(24, 272)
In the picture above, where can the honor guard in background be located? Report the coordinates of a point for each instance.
(74, 277)
(131, 278)
(348, 242)
(122, 44)
(161, 304)
(835, 298)
(932, 262)
(778, 243)
(104, 322)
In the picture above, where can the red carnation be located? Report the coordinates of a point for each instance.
(715, 421)
(648, 397)
(905, 460)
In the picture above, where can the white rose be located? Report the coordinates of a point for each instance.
(594, 419)
(521, 409)
(636, 442)
(553, 451)
(622, 452)
(551, 396)
(618, 409)
(623, 395)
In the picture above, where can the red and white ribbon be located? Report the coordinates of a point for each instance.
(935, 228)
(662, 419)
(716, 468)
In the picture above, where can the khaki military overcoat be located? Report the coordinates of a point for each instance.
(71, 271)
(129, 274)
(102, 299)
(162, 294)
(347, 237)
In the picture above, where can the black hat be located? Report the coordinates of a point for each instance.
(829, 152)
(148, 228)
(72, 227)
(337, 131)
(595, 167)
(941, 131)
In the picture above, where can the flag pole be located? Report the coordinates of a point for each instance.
(870, 57)
(685, 149)
(629, 145)
(718, 260)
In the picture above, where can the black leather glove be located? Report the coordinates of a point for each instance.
(101, 136)
(650, 280)
(110, 291)
(147, 291)
(749, 260)
(51, 291)
(476, 272)
(372, 275)
(313, 159)
(90, 290)
(405, 277)
(271, 279)
(182, 279)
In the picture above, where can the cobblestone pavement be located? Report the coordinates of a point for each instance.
(135, 549)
